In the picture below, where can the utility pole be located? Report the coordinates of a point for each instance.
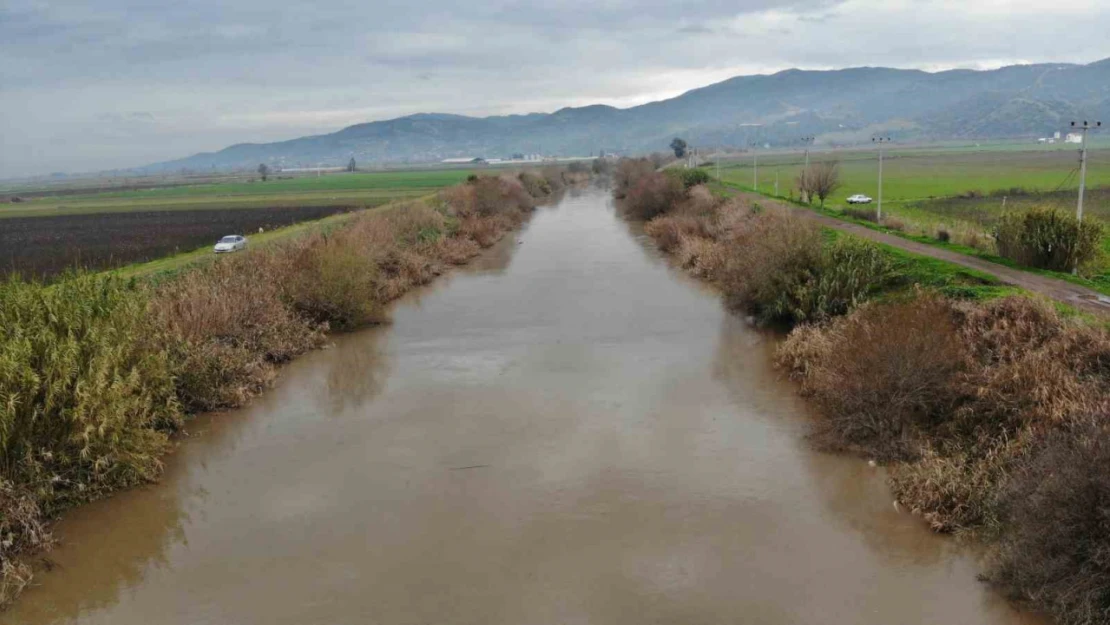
(880, 141)
(807, 141)
(776, 182)
(755, 169)
(1082, 128)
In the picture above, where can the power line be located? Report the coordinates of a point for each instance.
(1067, 179)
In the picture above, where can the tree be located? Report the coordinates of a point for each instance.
(821, 180)
(264, 171)
(679, 147)
(351, 165)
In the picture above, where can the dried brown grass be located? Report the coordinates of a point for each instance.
(963, 392)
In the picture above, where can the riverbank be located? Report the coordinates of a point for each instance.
(989, 408)
(97, 372)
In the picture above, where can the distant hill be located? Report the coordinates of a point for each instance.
(842, 107)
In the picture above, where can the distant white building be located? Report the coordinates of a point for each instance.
(1073, 137)
(1056, 135)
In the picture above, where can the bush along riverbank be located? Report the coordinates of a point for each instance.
(991, 410)
(96, 373)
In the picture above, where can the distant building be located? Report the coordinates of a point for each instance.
(1073, 137)
(1056, 135)
(1042, 140)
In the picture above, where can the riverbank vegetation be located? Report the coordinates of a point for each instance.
(97, 372)
(989, 409)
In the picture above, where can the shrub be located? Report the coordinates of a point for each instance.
(780, 269)
(652, 195)
(850, 270)
(333, 281)
(86, 399)
(894, 224)
(882, 375)
(770, 254)
(988, 381)
(943, 235)
(670, 230)
(536, 185)
(487, 196)
(629, 171)
(956, 489)
(976, 239)
(22, 531)
(1035, 368)
(457, 250)
(1047, 238)
(1056, 550)
(691, 177)
(87, 389)
(227, 323)
(485, 232)
(410, 224)
(862, 214)
(557, 178)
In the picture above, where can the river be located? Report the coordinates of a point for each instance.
(566, 431)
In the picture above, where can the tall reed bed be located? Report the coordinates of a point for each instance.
(96, 373)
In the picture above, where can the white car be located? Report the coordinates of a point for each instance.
(859, 198)
(231, 243)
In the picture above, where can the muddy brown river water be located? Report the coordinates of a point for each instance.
(566, 432)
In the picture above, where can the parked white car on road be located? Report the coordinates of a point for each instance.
(231, 243)
(859, 198)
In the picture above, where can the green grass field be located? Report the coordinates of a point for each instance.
(913, 175)
(358, 189)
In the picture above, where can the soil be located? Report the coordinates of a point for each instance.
(43, 247)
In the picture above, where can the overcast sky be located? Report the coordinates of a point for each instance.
(98, 84)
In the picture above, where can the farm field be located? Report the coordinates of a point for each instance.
(42, 247)
(913, 175)
(46, 235)
(352, 190)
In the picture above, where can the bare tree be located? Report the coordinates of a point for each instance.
(819, 180)
(264, 171)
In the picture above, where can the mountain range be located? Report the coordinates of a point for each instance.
(838, 107)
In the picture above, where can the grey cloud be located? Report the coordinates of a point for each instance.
(209, 73)
(697, 29)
